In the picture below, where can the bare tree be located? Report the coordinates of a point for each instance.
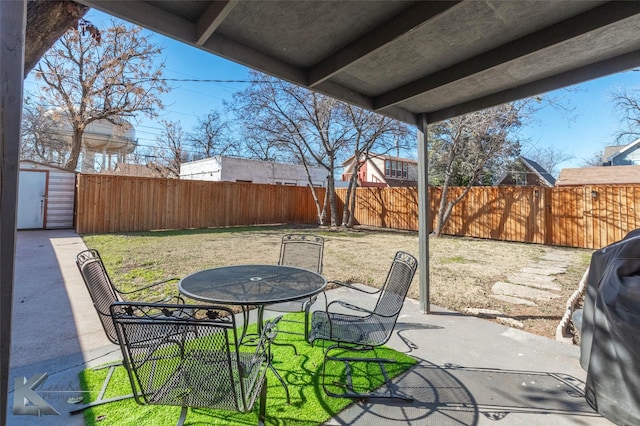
(627, 105)
(284, 122)
(173, 148)
(595, 160)
(368, 131)
(39, 142)
(211, 137)
(86, 80)
(466, 149)
(301, 124)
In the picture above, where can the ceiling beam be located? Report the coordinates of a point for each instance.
(148, 16)
(588, 72)
(212, 17)
(384, 34)
(591, 20)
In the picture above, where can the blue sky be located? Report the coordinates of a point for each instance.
(589, 126)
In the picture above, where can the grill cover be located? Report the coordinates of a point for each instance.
(610, 334)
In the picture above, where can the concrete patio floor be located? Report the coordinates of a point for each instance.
(471, 371)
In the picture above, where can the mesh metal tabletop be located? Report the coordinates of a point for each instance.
(252, 284)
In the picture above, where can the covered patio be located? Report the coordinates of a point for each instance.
(418, 62)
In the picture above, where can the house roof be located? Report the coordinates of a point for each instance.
(407, 59)
(540, 171)
(141, 170)
(604, 175)
(41, 164)
(622, 150)
(611, 150)
(544, 176)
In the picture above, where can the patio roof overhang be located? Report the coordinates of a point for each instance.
(406, 58)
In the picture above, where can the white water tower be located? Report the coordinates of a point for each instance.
(104, 143)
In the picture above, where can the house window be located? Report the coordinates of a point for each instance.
(396, 169)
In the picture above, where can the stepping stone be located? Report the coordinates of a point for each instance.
(521, 291)
(531, 277)
(510, 322)
(543, 270)
(545, 284)
(514, 300)
(484, 313)
(550, 264)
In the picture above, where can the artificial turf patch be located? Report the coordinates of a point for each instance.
(309, 404)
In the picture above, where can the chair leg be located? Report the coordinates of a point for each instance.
(183, 416)
(99, 400)
(263, 403)
(391, 389)
(284, 384)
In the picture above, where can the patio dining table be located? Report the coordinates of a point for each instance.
(251, 286)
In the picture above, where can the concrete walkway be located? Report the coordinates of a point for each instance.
(471, 371)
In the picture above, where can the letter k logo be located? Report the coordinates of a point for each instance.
(24, 393)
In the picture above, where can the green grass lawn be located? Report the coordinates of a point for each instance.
(309, 404)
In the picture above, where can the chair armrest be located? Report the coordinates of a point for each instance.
(149, 285)
(351, 286)
(349, 306)
(359, 309)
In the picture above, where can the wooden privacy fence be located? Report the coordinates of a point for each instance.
(586, 216)
(106, 203)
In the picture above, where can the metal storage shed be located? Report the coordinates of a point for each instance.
(46, 196)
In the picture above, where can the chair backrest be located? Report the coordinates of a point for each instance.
(100, 288)
(395, 288)
(188, 356)
(302, 251)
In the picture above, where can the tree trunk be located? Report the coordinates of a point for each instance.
(76, 146)
(47, 20)
(440, 218)
(352, 209)
(331, 190)
(351, 190)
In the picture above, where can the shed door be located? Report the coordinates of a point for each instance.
(32, 195)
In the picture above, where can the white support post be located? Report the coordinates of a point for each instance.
(423, 215)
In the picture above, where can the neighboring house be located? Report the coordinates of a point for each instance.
(612, 175)
(232, 169)
(526, 172)
(382, 171)
(622, 155)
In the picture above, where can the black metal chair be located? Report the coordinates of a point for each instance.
(358, 329)
(103, 293)
(300, 251)
(191, 360)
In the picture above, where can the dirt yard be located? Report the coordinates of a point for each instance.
(462, 270)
